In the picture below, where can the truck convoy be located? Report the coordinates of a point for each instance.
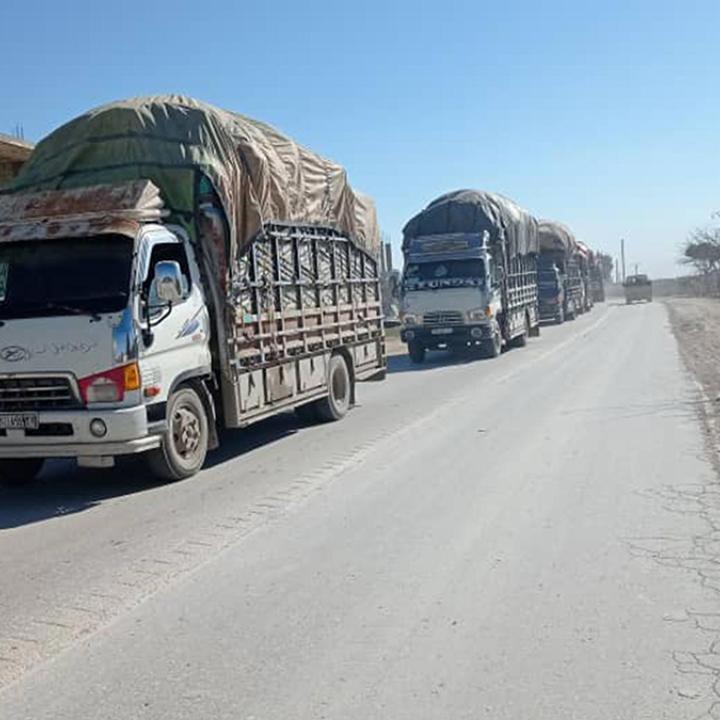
(168, 269)
(470, 277)
(561, 287)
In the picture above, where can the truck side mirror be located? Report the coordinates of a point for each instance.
(168, 282)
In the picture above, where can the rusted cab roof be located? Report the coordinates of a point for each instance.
(13, 149)
(119, 207)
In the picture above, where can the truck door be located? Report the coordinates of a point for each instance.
(176, 340)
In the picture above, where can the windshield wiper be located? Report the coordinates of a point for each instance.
(73, 309)
(70, 305)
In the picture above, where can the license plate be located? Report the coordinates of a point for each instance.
(19, 421)
(441, 331)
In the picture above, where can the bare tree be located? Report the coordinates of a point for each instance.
(702, 250)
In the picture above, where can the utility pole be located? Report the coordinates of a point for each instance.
(622, 255)
(636, 268)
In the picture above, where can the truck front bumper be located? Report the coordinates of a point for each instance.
(549, 311)
(450, 336)
(67, 434)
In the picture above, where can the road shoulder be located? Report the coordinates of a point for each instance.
(695, 323)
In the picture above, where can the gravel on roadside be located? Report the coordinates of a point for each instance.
(696, 325)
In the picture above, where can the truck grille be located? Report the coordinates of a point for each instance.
(36, 393)
(443, 317)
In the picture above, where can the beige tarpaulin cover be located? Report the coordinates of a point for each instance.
(259, 174)
(556, 236)
(476, 211)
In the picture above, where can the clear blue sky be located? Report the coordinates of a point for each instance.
(604, 115)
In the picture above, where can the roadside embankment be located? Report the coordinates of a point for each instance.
(696, 325)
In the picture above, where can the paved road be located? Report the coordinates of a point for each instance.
(531, 537)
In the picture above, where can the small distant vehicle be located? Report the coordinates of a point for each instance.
(638, 288)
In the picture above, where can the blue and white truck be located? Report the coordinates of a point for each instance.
(470, 275)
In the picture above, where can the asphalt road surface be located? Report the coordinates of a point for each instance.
(536, 536)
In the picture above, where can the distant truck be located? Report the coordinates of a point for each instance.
(470, 276)
(638, 288)
(167, 269)
(597, 283)
(390, 288)
(585, 261)
(560, 283)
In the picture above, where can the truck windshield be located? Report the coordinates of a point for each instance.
(65, 276)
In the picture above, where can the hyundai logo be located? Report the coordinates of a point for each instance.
(14, 353)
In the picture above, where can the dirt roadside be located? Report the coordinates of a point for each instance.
(696, 325)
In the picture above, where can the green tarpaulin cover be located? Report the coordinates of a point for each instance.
(260, 175)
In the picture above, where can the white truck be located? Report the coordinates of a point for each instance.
(168, 268)
(470, 276)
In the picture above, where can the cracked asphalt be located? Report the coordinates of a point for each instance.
(532, 537)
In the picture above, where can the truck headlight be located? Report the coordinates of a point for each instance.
(409, 320)
(98, 427)
(478, 314)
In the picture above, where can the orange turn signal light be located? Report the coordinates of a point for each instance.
(131, 376)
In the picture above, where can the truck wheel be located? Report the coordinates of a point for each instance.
(560, 317)
(416, 353)
(492, 348)
(184, 447)
(21, 470)
(522, 340)
(337, 403)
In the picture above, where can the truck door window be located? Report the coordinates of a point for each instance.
(165, 251)
(492, 267)
(3, 279)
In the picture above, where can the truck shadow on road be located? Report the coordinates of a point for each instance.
(433, 361)
(64, 489)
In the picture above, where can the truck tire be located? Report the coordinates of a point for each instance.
(20, 471)
(416, 353)
(521, 340)
(560, 317)
(493, 347)
(184, 447)
(337, 403)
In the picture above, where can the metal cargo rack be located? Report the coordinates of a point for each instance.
(299, 290)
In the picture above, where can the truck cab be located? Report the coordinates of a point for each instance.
(101, 318)
(551, 291)
(451, 295)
